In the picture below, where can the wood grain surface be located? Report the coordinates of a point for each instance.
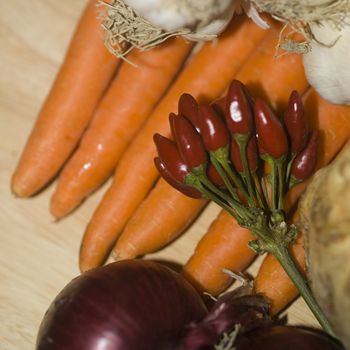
(39, 256)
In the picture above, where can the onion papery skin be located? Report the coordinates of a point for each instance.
(131, 305)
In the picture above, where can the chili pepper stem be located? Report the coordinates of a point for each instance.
(260, 192)
(282, 254)
(288, 171)
(281, 182)
(262, 184)
(273, 184)
(274, 237)
(198, 179)
(240, 209)
(207, 194)
(221, 156)
(242, 144)
(237, 181)
(224, 177)
(235, 203)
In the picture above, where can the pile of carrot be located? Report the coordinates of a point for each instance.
(99, 119)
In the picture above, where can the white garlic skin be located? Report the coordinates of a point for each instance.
(178, 15)
(327, 68)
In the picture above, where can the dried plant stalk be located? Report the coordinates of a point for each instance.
(301, 15)
(125, 30)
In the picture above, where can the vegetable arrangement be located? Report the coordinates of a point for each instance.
(116, 307)
(106, 120)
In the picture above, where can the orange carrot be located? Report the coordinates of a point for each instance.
(271, 78)
(274, 79)
(82, 79)
(162, 216)
(129, 100)
(205, 77)
(334, 123)
(223, 246)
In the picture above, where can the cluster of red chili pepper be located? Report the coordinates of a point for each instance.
(239, 154)
(219, 151)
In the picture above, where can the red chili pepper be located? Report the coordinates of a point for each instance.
(219, 106)
(214, 176)
(172, 117)
(213, 130)
(295, 122)
(305, 162)
(171, 166)
(180, 186)
(272, 139)
(170, 156)
(188, 107)
(189, 142)
(252, 155)
(238, 112)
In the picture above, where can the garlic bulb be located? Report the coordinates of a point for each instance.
(143, 24)
(201, 19)
(325, 25)
(326, 67)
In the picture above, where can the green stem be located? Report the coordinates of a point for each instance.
(273, 184)
(209, 195)
(289, 168)
(281, 183)
(262, 184)
(247, 175)
(238, 207)
(283, 256)
(224, 177)
(261, 192)
(237, 181)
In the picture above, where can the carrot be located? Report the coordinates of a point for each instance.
(271, 78)
(205, 77)
(162, 216)
(334, 123)
(223, 246)
(123, 109)
(83, 77)
(274, 79)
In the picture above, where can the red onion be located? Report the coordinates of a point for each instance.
(287, 338)
(131, 305)
(238, 307)
(240, 320)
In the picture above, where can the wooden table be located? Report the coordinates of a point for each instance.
(38, 256)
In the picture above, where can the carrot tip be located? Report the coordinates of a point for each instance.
(59, 209)
(117, 256)
(18, 190)
(85, 265)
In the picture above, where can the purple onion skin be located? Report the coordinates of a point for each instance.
(239, 306)
(126, 305)
(287, 338)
